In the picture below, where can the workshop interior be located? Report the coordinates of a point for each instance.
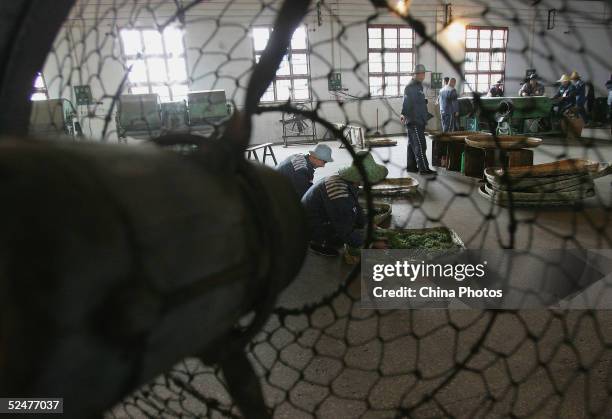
(190, 188)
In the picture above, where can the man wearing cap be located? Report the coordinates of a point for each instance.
(497, 90)
(566, 95)
(532, 88)
(300, 167)
(333, 211)
(580, 93)
(449, 106)
(415, 116)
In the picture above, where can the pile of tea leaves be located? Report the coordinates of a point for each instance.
(432, 240)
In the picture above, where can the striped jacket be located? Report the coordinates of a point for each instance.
(332, 208)
(299, 170)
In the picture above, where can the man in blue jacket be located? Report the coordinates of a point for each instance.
(300, 168)
(449, 106)
(333, 211)
(415, 116)
(565, 97)
(580, 94)
(532, 87)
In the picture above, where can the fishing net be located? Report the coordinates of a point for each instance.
(328, 357)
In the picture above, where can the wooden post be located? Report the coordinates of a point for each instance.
(438, 151)
(522, 157)
(454, 156)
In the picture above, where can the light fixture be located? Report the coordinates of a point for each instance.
(452, 38)
(401, 7)
(455, 31)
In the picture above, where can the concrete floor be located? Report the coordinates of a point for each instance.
(453, 200)
(533, 363)
(320, 355)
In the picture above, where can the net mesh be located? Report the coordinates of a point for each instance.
(329, 357)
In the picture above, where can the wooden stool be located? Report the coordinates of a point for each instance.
(475, 160)
(267, 149)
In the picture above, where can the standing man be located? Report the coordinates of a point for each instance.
(299, 168)
(415, 116)
(532, 88)
(449, 106)
(581, 97)
(497, 90)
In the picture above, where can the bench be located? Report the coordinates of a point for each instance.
(353, 133)
(267, 151)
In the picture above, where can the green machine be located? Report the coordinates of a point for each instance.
(54, 117)
(334, 82)
(207, 107)
(509, 115)
(138, 116)
(174, 117)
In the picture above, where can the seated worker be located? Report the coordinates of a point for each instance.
(609, 87)
(497, 90)
(334, 215)
(581, 96)
(300, 167)
(565, 96)
(532, 87)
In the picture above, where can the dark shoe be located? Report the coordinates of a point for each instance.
(322, 250)
(412, 170)
(428, 172)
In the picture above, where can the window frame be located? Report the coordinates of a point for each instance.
(291, 77)
(165, 56)
(382, 50)
(491, 74)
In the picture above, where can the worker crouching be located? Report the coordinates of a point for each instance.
(300, 168)
(333, 211)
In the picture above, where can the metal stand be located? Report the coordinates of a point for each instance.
(298, 126)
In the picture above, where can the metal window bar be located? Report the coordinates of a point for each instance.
(165, 56)
(384, 74)
(291, 76)
(490, 72)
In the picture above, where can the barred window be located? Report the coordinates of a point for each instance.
(156, 62)
(391, 58)
(485, 57)
(39, 92)
(292, 81)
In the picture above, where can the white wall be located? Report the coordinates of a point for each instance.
(219, 50)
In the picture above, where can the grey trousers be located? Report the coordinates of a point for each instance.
(417, 148)
(448, 122)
